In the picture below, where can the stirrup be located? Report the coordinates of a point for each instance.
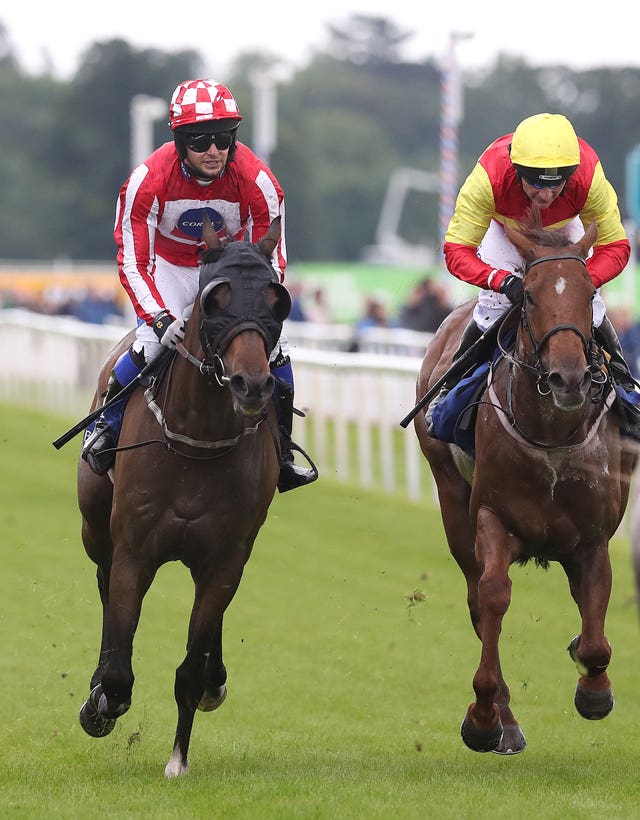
(428, 418)
(291, 475)
(99, 448)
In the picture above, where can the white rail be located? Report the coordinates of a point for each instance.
(353, 401)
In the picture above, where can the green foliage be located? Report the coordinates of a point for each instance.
(346, 121)
(350, 658)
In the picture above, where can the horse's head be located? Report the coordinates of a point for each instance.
(557, 311)
(241, 309)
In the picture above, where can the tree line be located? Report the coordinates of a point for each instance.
(346, 120)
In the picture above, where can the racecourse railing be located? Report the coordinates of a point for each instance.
(353, 401)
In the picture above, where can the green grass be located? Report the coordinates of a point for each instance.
(345, 690)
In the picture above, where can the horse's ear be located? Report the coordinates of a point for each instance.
(519, 240)
(269, 242)
(209, 235)
(590, 236)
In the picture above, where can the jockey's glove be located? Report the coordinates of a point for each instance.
(169, 331)
(513, 288)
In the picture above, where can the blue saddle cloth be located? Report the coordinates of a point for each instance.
(454, 418)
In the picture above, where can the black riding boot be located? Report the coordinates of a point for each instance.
(99, 447)
(470, 336)
(621, 374)
(291, 475)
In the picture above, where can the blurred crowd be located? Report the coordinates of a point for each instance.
(425, 308)
(94, 305)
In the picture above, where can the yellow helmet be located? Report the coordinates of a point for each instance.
(545, 149)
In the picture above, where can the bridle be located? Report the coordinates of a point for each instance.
(598, 377)
(537, 367)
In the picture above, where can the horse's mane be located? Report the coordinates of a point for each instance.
(531, 227)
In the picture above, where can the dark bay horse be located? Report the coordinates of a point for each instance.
(192, 482)
(550, 480)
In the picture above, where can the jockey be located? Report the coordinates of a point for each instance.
(542, 162)
(158, 231)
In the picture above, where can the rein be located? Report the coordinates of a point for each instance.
(218, 372)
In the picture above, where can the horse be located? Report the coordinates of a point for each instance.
(549, 480)
(196, 470)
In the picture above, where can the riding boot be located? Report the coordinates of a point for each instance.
(621, 375)
(99, 446)
(291, 475)
(470, 335)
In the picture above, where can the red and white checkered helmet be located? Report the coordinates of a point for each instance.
(196, 101)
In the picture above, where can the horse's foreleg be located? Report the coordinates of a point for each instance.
(590, 584)
(482, 728)
(201, 678)
(102, 576)
(110, 696)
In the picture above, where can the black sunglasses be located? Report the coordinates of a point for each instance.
(199, 143)
(539, 185)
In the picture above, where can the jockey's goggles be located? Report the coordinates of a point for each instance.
(199, 143)
(541, 183)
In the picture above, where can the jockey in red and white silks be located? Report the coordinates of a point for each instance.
(159, 218)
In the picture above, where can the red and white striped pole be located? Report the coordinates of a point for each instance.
(450, 117)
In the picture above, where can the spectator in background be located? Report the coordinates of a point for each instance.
(317, 309)
(375, 315)
(298, 313)
(426, 307)
(629, 334)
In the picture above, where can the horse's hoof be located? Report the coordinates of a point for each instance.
(593, 705)
(209, 702)
(512, 741)
(95, 724)
(176, 767)
(481, 740)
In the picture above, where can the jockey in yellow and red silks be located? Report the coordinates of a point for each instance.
(542, 163)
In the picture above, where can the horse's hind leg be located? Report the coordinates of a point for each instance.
(201, 677)
(590, 584)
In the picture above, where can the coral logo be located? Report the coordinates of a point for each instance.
(190, 222)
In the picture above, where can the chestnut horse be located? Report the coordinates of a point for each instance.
(194, 476)
(550, 481)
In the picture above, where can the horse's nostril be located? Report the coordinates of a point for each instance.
(556, 382)
(238, 385)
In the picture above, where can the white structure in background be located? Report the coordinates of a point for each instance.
(354, 401)
(265, 113)
(451, 113)
(143, 112)
(390, 247)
